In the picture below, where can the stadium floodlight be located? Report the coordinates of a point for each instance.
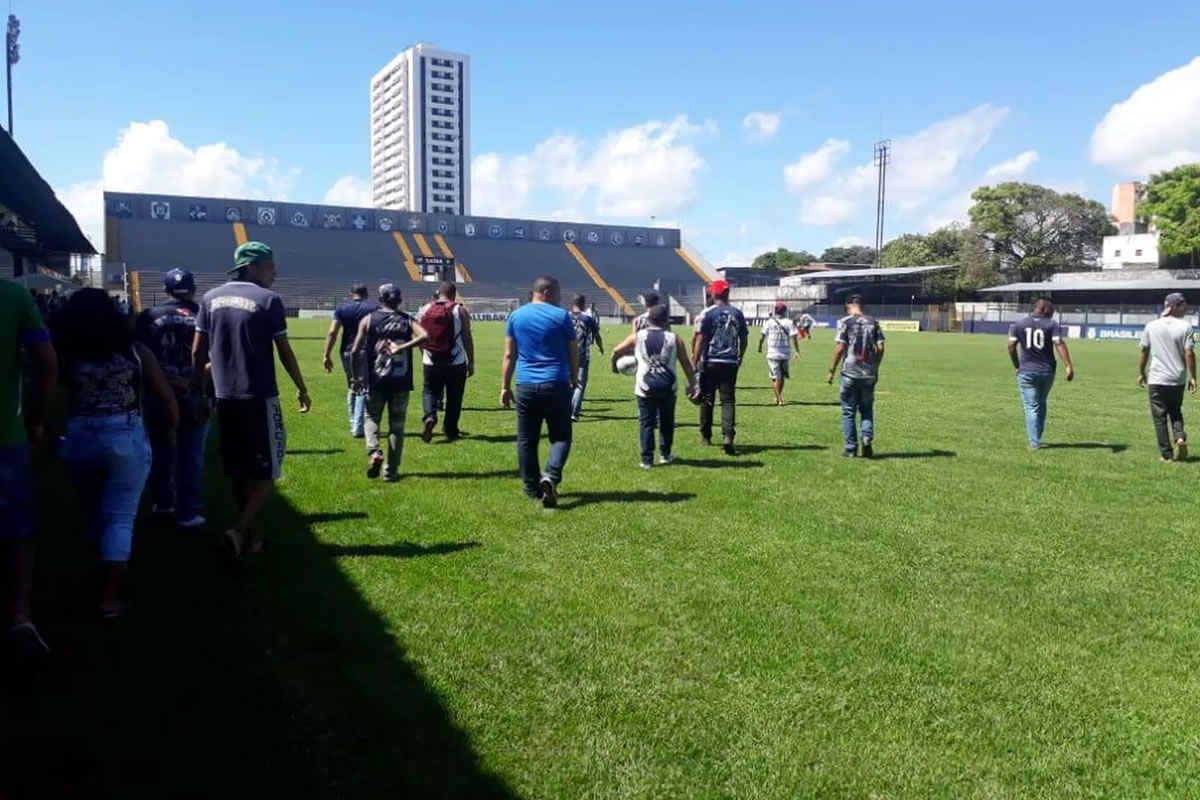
(883, 156)
(12, 54)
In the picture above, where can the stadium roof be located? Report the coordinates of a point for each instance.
(34, 219)
(1157, 284)
(896, 272)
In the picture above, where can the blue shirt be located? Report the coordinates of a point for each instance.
(350, 314)
(541, 333)
(586, 330)
(242, 321)
(167, 331)
(1036, 336)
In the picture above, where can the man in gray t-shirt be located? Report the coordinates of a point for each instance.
(1168, 346)
(859, 349)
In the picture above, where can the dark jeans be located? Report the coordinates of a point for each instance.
(177, 472)
(656, 412)
(718, 379)
(452, 380)
(580, 388)
(1166, 402)
(537, 403)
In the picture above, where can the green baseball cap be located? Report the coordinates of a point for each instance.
(251, 253)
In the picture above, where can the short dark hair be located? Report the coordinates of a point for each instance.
(359, 290)
(447, 290)
(650, 299)
(658, 315)
(544, 284)
(1042, 302)
(855, 300)
(579, 301)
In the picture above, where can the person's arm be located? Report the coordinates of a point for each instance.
(839, 352)
(419, 336)
(795, 345)
(508, 366)
(743, 338)
(356, 351)
(43, 362)
(287, 357)
(627, 344)
(1013, 356)
(468, 339)
(1143, 357)
(573, 361)
(685, 363)
(762, 338)
(1189, 356)
(596, 333)
(330, 338)
(1065, 355)
(199, 360)
(156, 381)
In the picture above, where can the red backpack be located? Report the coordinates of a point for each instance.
(438, 322)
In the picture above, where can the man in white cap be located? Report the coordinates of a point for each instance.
(1168, 347)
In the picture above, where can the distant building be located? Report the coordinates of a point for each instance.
(421, 132)
(1135, 246)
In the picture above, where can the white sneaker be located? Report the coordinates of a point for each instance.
(644, 465)
(163, 510)
(195, 521)
(667, 459)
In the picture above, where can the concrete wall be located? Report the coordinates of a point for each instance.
(1130, 251)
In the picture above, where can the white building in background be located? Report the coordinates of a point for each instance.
(421, 132)
(1135, 246)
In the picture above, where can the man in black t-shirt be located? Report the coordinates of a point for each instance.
(346, 319)
(587, 331)
(240, 325)
(382, 351)
(177, 472)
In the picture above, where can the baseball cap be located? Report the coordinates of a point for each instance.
(179, 280)
(719, 287)
(251, 253)
(389, 293)
(1173, 300)
(780, 308)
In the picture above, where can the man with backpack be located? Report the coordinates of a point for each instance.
(449, 359)
(718, 347)
(587, 330)
(859, 349)
(387, 338)
(779, 332)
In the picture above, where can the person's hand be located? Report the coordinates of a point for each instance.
(1142, 381)
(1070, 373)
(796, 356)
(1191, 385)
(614, 367)
(305, 401)
(470, 370)
(356, 385)
(506, 398)
(573, 383)
(327, 364)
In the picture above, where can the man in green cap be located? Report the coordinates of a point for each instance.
(239, 324)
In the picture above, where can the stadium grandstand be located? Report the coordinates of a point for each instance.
(321, 250)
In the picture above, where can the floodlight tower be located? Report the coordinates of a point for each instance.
(883, 156)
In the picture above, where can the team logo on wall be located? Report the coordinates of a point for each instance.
(414, 223)
(638, 240)
(568, 235)
(617, 238)
(160, 209)
(266, 215)
(518, 232)
(299, 220)
(495, 231)
(123, 208)
(359, 222)
(544, 234)
(443, 226)
(384, 223)
(331, 219)
(197, 212)
(469, 229)
(233, 214)
(593, 237)
(661, 241)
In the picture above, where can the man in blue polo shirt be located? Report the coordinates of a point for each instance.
(347, 318)
(540, 347)
(1037, 336)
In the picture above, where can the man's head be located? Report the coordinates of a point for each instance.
(854, 304)
(547, 290)
(720, 291)
(1174, 305)
(180, 284)
(780, 310)
(579, 302)
(254, 262)
(658, 316)
(359, 291)
(447, 291)
(650, 299)
(389, 296)
(1043, 307)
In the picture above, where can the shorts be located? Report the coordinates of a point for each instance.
(253, 439)
(16, 492)
(777, 369)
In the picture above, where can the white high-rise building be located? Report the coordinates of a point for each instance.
(421, 132)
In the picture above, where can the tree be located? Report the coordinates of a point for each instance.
(1036, 231)
(855, 254)
(909, 250)
(1172, 203)
(783, 259)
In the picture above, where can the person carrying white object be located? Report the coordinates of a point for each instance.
(779, 332)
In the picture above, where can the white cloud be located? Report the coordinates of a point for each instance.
(743, 258)
(1014, 167)
(1156, 128)
(850, 241)
(147, 158)
(762, 124)
(646, 169)
(349, 191)
(815, 166)
(924, 166)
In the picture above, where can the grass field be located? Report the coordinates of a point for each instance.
(959, 618)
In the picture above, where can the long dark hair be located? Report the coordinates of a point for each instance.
(91, 328)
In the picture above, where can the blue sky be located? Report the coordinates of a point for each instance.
(614, 112)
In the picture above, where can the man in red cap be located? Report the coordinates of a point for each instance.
(717, 351)
(779, 332)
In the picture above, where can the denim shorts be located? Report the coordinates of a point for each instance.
(16, 492)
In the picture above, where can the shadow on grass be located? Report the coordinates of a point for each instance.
(731, 462)
(499, 438)
(451, 476)
(580, 499)
(1113, 448)
(328, 451)
(280, 681)
(397, 550)
(787, 403)
(330, 516)
(926, 454)
(765, 448)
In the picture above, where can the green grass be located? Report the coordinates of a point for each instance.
(961, 619)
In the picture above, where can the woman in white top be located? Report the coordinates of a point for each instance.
(658, 351)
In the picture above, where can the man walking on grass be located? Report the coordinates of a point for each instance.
(587, 330)
(859, 349)
(718, 347)
(642, 321)
(1037, 336)
(540, 347)
(240, 325)
(779, 332)
(385, 341)
(346, 319)
(1169, 348)
(448, 358)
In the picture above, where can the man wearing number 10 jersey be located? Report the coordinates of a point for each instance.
(1037, 336)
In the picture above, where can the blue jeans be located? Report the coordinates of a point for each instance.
(537, 403)
(177, 470)
(858, 398)
(108, 459)
(356, 402)
(577, 398)
(16, 492)
(1035, 393)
